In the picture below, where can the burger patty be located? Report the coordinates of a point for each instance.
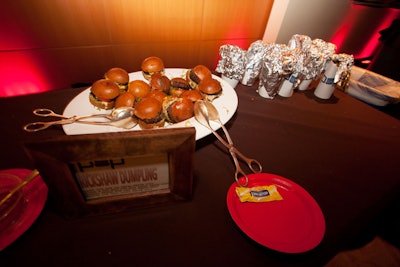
(168, 112)
(194, 77)
(180, 85)
(92, 95)
(146, 72)
(155, 119)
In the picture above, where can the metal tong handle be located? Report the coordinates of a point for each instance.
(202, 116)
(234, 152)
(43, 112)
(253, 164)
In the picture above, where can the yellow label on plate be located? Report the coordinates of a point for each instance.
(258, 193)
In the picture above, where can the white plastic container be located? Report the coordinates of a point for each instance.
(373, 88)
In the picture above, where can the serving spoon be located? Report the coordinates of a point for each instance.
(205, 111)
(122, 117)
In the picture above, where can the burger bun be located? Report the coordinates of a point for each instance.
(151, 65)
(149, 113)
(119, 76)
(210, 88)
(103, 94)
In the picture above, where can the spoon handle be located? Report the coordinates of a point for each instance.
(29, 178)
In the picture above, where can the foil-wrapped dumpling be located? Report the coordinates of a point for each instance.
(278, 62)
(232, 61)
(253, 62)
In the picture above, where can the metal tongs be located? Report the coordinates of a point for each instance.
(204, 111)
(120, 117)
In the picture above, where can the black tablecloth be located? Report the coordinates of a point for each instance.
(342, 151)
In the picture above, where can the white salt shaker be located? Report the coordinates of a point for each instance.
(326, 85)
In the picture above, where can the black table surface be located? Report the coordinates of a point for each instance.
(342, 151)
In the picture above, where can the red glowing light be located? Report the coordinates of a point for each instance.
(20, 75)
(366, 61)
(359, 31)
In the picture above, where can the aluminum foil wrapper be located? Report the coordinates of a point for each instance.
(232, 61)
(302, 42)
(313, 63)
(315, 56)
(324, 50)
(269, 84)
(344, 63)
(278, 58)
(278, 62)
(307, 54)
(253, 62)
(300, 46)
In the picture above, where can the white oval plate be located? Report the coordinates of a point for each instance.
(226, 105)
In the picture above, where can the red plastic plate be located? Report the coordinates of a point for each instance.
(292, 225)
(35, 196)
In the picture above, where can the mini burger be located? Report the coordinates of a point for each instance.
(125, 99)
(160, 82)
(177, 109)
(210, 88)
(149, 113)
(159, 95)
(178, 86)
(152, 65)
(139, 89)
(103, 94)
(193, 95)
(196, 74)
(119, 76)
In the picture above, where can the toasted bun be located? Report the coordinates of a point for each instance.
(149, 112)
(159, 95)
(139, 89)
(177, 109)
(105, 89)
(160, 82)
(103, 93)
(125, 99)
(210, 88)
(181, 110)
(196, 74)
(193, 95)
(152, 65)
(148, 108)
(119, 76)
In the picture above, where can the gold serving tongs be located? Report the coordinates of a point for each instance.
(120, 117)
(204, 112)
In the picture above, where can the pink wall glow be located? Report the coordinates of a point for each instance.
(359, 34)
(20, 75)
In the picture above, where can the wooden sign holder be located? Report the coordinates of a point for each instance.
(114, 172)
